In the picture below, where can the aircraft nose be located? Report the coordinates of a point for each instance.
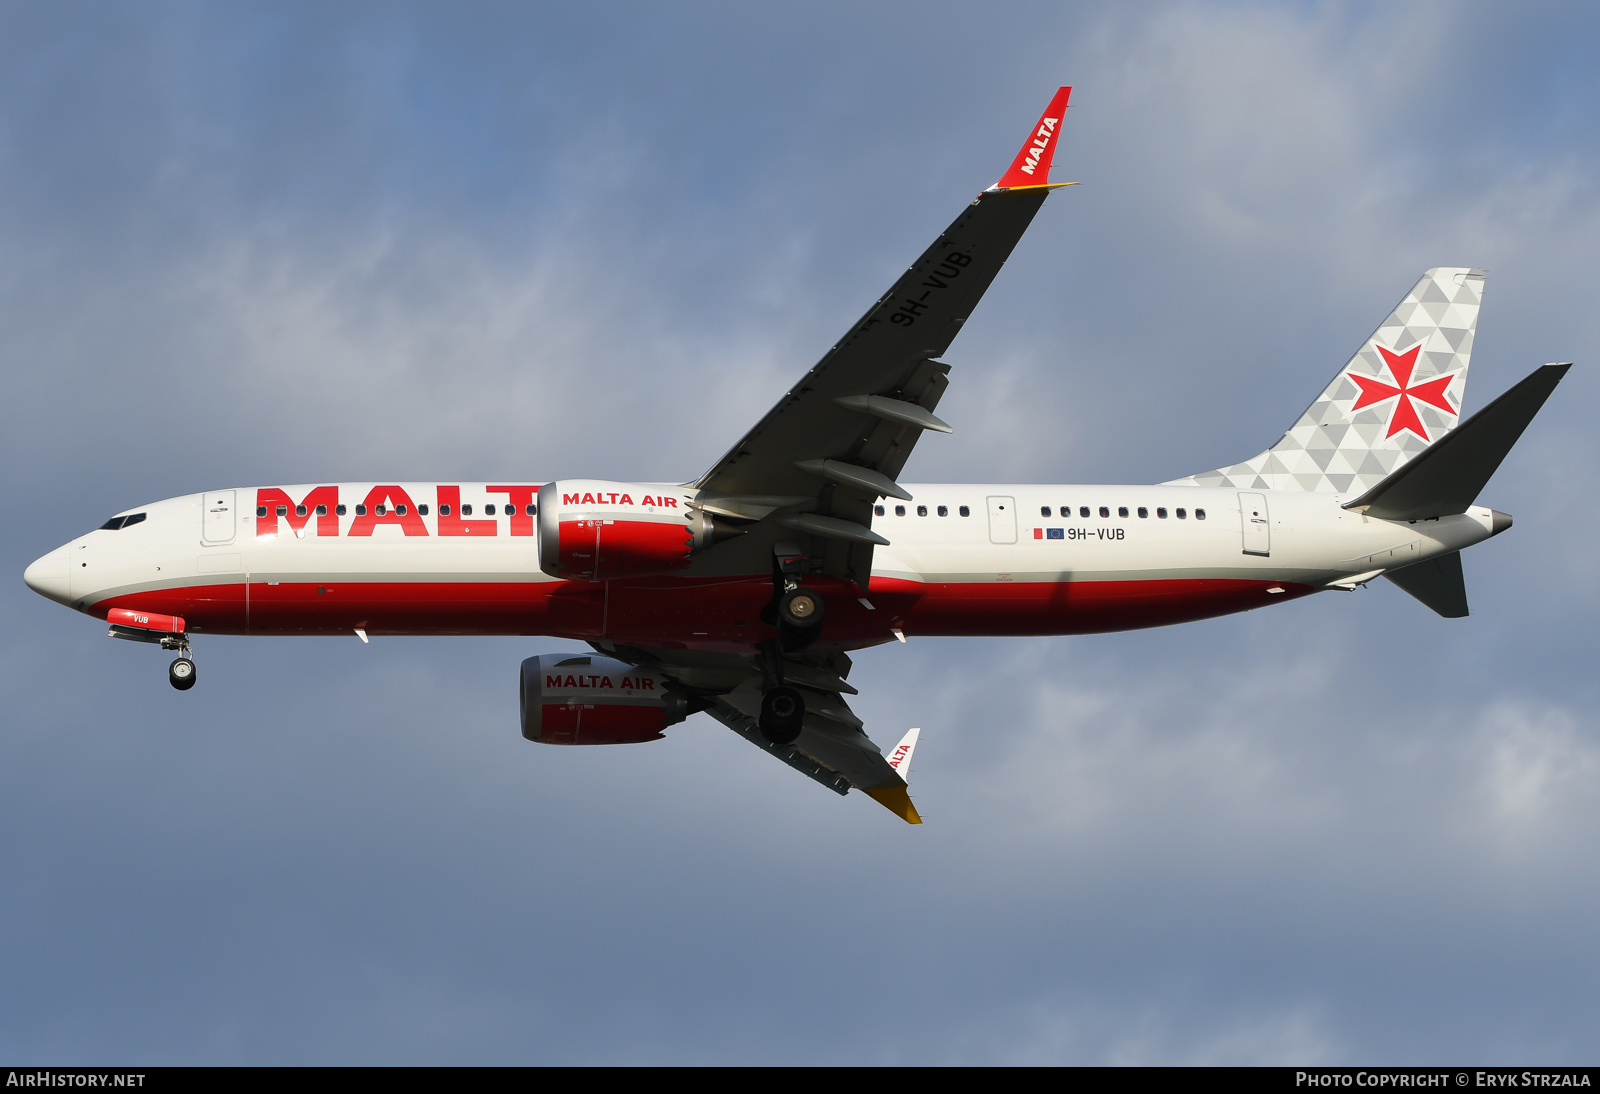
(50, 576)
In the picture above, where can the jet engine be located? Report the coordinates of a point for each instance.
(589, 700)
(592, 530)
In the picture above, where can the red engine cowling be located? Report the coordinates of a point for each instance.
(590, 700)
(592, 530)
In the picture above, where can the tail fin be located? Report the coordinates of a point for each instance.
(1399, 394)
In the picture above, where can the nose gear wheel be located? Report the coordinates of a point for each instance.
(181, 674)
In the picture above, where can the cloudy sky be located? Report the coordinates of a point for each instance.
(247, 244)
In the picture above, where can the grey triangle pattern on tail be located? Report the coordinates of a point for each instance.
(1337, 449)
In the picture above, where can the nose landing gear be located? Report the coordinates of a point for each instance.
(180, 674)
(167, 631)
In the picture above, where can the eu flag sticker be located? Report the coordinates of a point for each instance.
(1054, 533)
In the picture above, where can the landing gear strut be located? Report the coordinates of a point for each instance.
(181, 673)
(797, 615)
(795, 612)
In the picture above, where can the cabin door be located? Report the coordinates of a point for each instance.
(1257, 528)
(217, 519)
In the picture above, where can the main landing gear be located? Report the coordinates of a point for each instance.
(797, 615)
(783, 713)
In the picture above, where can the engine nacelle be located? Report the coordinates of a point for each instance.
(593, 530)
(591, 700)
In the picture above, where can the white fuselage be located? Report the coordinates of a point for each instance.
(1024, 559)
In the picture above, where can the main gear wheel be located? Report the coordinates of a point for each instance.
(783, 712)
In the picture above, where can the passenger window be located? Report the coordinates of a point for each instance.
(533, 510)
(877, 510)
(1083, 510)
(488, 510)
(1160, 512)
(1199, 514)
(1122, 510)
(261, 510)
(899, 510)
(1182, 513)
(361, 510)
(283, 510)
(466, 510)
(1104, 512)
(322, 510)
(944, 510)
(444, 510)
(922, 510)
(401, 509)
(1044, 510)
(1143, 512)
(339, 510)
(964, 511)
(299, 510)
(382, 509)
(422, 510)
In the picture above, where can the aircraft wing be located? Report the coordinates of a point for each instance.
(811, 469)
(833, 747)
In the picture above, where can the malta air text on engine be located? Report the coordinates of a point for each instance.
(555, 681)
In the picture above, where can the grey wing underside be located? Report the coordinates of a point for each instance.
(833, 747)
(805, 459)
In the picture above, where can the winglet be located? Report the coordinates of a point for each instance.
(897, 801)
(895, 798)
(1031, 168)
(900, 756)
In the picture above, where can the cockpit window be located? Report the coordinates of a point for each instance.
(121, 522)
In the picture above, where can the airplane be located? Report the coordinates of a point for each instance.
(741, 593)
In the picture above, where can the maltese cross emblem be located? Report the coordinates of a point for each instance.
(1404, 415)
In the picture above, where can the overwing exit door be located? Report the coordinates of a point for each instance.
(1002, 520)
(1256, 524)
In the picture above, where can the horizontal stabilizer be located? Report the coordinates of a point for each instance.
(1437, 583)
(1446, 478)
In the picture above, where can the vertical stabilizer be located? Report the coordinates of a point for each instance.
(1400, 393)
